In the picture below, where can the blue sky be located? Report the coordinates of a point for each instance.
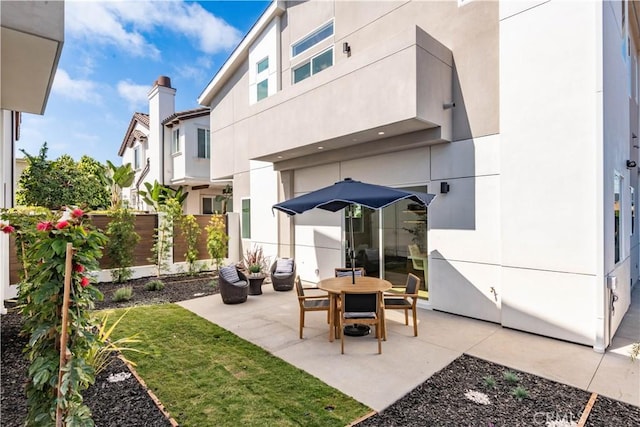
(114, 51)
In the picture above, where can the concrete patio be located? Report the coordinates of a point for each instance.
(270, 320)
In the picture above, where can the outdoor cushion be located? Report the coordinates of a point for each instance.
(360, 315)
(282, 275)
(284, 265)
(230, 274)
(239, 283)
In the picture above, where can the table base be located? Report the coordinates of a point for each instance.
(356, 330)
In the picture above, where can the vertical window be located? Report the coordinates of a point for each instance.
(313, 66)
(633, 210)
(175, 141)
(312, 39)
(263, 89)
(207, 205)
(263, 65)
(246, 218)
(617, 223)
(136, 158)
(204, 144)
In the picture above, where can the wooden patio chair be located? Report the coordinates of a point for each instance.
(310, 303)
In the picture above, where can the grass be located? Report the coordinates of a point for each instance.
(205, 375)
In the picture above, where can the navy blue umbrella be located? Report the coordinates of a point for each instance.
(346, 193)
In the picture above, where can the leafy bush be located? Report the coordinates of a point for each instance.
(41, 302)
(122, 242)
(190, 232)
(489, 381)
(123, 294)
(520, 393)
(217, 239)
(163, 237)
(154, 285)
(511, 377)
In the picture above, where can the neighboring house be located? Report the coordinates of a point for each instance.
(32, 35)
(172, 148)
(522, 117)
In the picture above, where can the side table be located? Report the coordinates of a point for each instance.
(255, 284)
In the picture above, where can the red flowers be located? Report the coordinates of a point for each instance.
(44, 226)
(84, 282)
(62, 224)
(77, 213)
(7, 229)
(78, 268)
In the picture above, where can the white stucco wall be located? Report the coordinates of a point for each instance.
(266, 46)
(549, 161)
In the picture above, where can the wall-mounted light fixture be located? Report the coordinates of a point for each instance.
(448, 105)
(346, 48)
(444, 187)
(631, 164)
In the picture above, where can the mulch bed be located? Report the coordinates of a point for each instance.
(439, 401)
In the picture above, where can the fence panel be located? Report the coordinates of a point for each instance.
(144, 226)
(180, 244)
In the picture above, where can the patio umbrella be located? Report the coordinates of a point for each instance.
(347, 193)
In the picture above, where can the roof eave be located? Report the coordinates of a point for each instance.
(276, 8)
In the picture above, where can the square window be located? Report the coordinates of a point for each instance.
(263, 65)
(322, 61)
(263, 89)
(302, 72)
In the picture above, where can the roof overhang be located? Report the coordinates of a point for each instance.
(276, 8)
(31, 39)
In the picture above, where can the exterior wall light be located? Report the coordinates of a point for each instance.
(631, 164)
(444, 187)
(346, 48)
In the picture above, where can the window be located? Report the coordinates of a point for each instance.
(313, 66)
(263, 65)
(312, 39)
(207, 205)
(263, 89)
(633, 210)
(175, 141)
(136, 158)
(204, 144)
(617, 223)
(246, 218)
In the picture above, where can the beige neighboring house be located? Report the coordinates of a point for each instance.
(521, 116)
(172, 148)
(31, 39)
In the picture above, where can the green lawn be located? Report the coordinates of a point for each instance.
(207, 376)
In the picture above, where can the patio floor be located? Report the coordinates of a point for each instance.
(270, 320)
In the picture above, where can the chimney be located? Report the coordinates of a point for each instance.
(161, 105)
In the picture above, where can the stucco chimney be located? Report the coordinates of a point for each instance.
(162, 104)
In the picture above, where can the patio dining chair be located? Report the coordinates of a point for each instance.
(406, 301)
(362, 309)
(310, 303)
(345, 271)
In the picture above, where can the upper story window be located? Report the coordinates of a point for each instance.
(312, 39)
(263, 65)
(263, 89)
(204, 147)
(136, 158)
(175, 141)
(313, 66)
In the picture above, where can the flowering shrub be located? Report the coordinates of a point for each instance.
(41, 298)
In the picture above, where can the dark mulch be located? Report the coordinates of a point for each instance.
(439, 401)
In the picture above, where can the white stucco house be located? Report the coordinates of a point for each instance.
(521, 116)
(173, 149)
(31, 39)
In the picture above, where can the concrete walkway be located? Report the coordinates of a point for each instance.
(270, 320)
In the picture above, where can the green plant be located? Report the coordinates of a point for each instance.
(41, 305)
(254, 260)
(217, 239)
(511, 377)
(154, 285)
(157, 195)
(123, 294)
(489, 381)
(190, 232)
(118, 177)
(100, 353)
(121, 244)
(520, 393)
(163, 236)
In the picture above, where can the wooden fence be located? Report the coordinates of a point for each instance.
(145, 225)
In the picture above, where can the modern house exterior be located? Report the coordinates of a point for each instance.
(173, 149)
(521, 116)
(31, 39)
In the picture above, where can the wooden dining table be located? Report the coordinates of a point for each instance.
(336, 285)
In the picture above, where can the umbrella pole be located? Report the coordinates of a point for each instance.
(352, 253)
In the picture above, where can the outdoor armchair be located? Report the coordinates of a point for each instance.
(362, 309)
(233, 284)
(283, 274)
(310, 303)
(406, 301)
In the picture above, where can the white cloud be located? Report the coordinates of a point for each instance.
(81, 90)
(135, 94)
(123, 24)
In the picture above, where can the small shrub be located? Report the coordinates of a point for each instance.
(489, 381)
(214, 284)
(511, 377)
(123, 294)
(520, 393)
(154, 285)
